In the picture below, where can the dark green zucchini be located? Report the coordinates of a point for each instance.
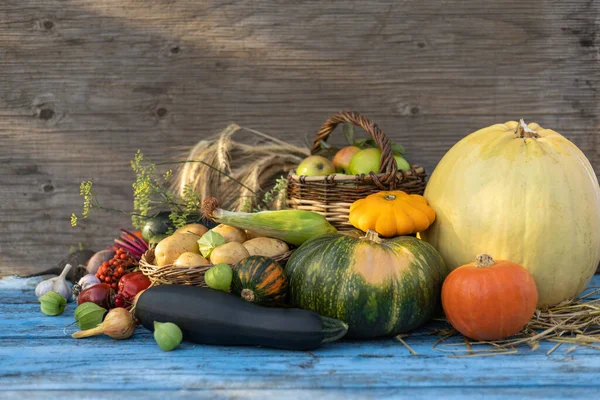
(210, 316)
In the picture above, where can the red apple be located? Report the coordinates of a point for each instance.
(342, 158)
(315, 166)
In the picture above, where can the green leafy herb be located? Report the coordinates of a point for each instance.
(276, 197)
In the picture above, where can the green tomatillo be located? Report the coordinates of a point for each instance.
(52, 303)
(167, 335)
(219, 277)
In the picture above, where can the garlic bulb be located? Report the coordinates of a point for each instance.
(88, 280)
(58, 285)
(85, 282)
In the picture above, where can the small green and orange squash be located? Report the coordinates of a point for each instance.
(378, 287)
(260, 280)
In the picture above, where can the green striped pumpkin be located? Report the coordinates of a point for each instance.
(260, 280)
(378, 287)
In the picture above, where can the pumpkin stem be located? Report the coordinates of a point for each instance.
(484, 260)
(372, 236)
(523, 131)
(248, 295)
(390, 197)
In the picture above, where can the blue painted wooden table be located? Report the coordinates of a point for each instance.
(39, 359)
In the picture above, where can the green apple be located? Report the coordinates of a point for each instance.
(369, 160)
(342, 158)
(365, 161)
(315, 166)
(403, 165)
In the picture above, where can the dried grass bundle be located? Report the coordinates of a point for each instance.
(238, 172)
(575, 322)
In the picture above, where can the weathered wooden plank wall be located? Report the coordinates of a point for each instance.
(84, 83)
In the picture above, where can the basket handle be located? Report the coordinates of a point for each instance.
(388, 163)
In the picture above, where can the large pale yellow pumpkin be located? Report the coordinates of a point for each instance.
(521, 193)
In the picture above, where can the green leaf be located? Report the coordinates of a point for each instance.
(398, 149)
(348, 130)
(365, 143)
(323, 144)
(361, 143)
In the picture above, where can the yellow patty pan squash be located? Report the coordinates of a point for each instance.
(522, 193)
(392, 213)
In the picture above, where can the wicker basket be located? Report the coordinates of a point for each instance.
(190, 276)
(333, 195)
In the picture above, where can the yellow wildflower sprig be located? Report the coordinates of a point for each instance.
(151, 194)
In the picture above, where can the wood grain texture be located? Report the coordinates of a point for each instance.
(450, 393)
(84, 83)
(38, 359)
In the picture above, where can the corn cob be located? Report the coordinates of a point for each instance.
(292, 226)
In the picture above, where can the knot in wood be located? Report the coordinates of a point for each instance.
(46, 113)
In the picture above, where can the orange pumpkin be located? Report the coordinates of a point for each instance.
(489, 300)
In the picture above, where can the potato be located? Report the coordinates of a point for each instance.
(229, 253)
(198, 229)
(230, 233)
(169, 249)
(263, 246)
(189, 259)
(252, 235)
